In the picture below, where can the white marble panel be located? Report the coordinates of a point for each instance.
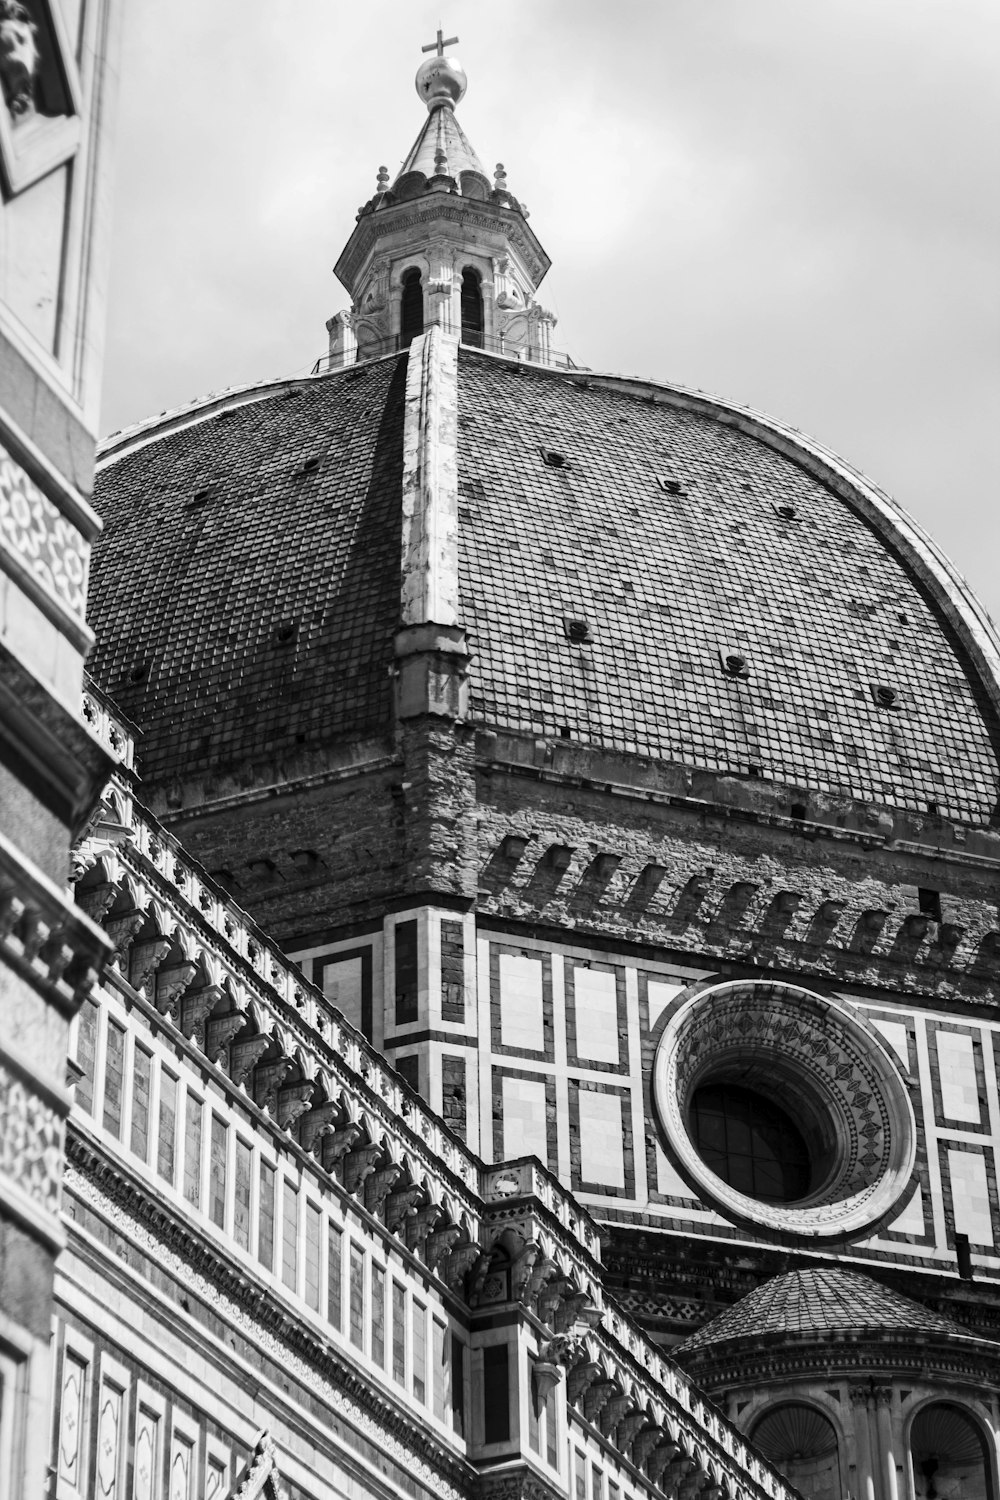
(970, 1196)
(658, 996)
(521, 1006)
(524, 1119)
(602, 1146)
(595, 994)
(957, 1069)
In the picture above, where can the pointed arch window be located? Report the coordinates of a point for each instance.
(411, 319)
(472, 308)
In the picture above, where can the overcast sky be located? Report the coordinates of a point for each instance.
(790, 203)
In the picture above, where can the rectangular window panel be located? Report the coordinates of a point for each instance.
(241, 1195)
(265, 1229)
(111, 1416)
(496, 1400)
(452, 970)
(458, 1385)
(378, 1316)
(141, 1070)
(407, 993)
(534, 1412)
(442, 1370)
(551, 1452)
(215, 1479)
(408, 1069)
(314, 1225)
(579, 1475)
(419, 1350)
(596, 1483)
(398, 1333)
(181, 1484)
(453, 1100)
(357, 1297)
(74, 1420)
(334, 1273)
(218, 1147)
(86, 1055)
(290, 1235)
(192, 1152)
(147, 1460)
(114, 1075)
(166, 1136)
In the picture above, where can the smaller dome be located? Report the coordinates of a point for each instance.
(817, 1303)
(441, 81)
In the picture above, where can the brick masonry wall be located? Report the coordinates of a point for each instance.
(696, 879)
(355, 831)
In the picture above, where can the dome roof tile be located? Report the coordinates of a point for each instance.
(652, 517)
(822, 1301)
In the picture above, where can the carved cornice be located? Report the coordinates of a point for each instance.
(933, 1357)
(516, 1482)
(416, 213)
(44, 937)
(65, 757)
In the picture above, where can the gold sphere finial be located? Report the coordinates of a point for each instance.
(441, 80)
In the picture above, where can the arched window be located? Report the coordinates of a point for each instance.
(802, 1443)
(472, 308)
(411, 320)
(949, 1455)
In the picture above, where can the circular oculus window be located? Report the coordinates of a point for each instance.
(783, 1109)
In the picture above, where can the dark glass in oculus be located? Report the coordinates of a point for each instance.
(750, 1142)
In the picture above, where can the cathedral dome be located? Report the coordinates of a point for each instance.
(641, 569)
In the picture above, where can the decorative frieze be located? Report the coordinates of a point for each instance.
(35, 532)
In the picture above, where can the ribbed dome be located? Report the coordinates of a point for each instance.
(674, 530)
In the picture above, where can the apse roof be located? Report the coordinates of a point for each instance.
(821, 1301)
(677, 536)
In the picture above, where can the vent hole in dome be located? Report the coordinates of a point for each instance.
(577, 630)
(286, 631)
(309, 466)
(734, 663)
(139, 672)
(798, 811)
(670, 486)
(787, 512)
(884, 695)
(554, 458)
(565, 733)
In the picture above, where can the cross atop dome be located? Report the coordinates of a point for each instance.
(441, 80)
(440, 44)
